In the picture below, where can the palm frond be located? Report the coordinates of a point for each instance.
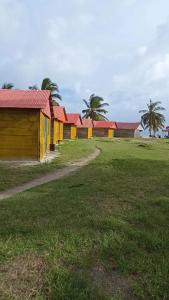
(33, 87)
(87, 104)
(7, 86)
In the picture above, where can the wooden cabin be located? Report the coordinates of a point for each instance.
(104, 129)
(85, 131)
(25, 118)
(70, 126)
(128, 130)
(58, 120)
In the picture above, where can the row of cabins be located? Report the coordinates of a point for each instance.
(30, 125)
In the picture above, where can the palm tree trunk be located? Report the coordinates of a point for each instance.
(150, 131)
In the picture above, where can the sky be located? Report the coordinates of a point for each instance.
(117, 49)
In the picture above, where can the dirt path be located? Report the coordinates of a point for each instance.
(50, 176)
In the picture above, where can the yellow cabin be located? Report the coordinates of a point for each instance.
(85, 131)
(70, 126)
(104, 129)
(59, 117)
(25, 120)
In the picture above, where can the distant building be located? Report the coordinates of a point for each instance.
(125, 129)
(85, 130)
(166, 131)
(70, 126)
(104, 129)
(58, 120)
(25, 122)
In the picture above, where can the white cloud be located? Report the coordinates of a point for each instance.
(112, 48)
(142, 50)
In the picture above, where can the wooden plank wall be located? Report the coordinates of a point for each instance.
(73, 132)
(43, 149)
(60, 131)
(124, 133)
(110, 133)
(19, 130)
(56, 132)
(67, 131)
(82, 133)
(90, 133)
(100, 132)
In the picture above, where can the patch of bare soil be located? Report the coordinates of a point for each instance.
(112, 283)
(22, 278)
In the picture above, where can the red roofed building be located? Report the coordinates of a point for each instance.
(104, 128)
(70, 126)
(125, 129)
(85, 130)
(58, 120)
(166, 131)
(25, 118)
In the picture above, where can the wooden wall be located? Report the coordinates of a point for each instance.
(90, 133)
(110, 133)
(45, 135)
(55, 132)
(124, 133)
(19, 131)
(67, 131)
(60, 131)
(100, 132)
(84, 133)
(73, 134)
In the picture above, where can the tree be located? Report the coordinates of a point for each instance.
(47, 84)
(33, 87)
(152, 119)
(95, 108)
(7, 86)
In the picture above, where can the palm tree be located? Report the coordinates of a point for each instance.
(7, 86)
(95, 108)
(152, 119)
(33, 87)
(47, 84)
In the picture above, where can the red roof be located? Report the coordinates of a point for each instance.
(26, 99)
(60, 113)
(104, 124)
(129, 126)
(86, 123)
(74, 119)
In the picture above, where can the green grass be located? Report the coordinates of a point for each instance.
(102, 233)
(11, 176)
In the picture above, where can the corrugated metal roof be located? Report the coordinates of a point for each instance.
(129, 126)
(26, 99)
(74, 119)
(60, 113)
(104, 124)
(86, 123)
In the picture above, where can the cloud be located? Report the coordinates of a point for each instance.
(113, 48)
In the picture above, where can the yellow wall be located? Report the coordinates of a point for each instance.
(60, 131)
(44, 145)
(56, 132)
(110, 133)
(49, 135)
(90, 132)
(19, 130)
(73, 132)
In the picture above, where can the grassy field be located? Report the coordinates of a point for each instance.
(12, 175)
(102, 233)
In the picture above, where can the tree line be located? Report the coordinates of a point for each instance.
(151, 118)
